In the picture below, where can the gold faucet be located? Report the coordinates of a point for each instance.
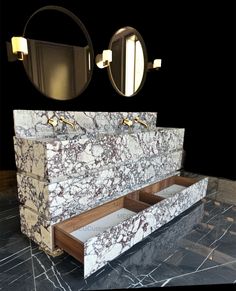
(67, 122)
(137, 119)
(53, 122)
(127, 121)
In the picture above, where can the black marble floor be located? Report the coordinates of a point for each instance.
(196, 248)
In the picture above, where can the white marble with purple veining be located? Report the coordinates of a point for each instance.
(63, 172)
(36, 227)
(61, 200)
(52, 159)
(112, 242)
(34, 123)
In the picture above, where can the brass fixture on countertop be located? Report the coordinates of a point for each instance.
(127, 122)
(137, 119)
(53, 122)
(72, 124)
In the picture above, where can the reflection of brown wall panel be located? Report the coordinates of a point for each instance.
(81, 65)
(60, 71)
(56, 70)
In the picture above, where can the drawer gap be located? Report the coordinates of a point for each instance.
(145, 198)
(165, 188)
(135, 205)
(149, 198)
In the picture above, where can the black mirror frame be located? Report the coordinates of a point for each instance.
(140, 38)
(85, 32)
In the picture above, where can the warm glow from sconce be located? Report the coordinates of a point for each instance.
(103, 60)
(19, 47)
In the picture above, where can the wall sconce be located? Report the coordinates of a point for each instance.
(103, 60)
(155, 65)
(19, 47)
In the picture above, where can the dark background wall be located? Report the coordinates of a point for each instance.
(195, 88)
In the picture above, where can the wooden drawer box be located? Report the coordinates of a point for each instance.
(103, 233)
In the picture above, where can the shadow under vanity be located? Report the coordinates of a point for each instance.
(93, 186)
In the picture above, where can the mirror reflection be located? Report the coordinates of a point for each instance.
(128, 68)
(60, 71)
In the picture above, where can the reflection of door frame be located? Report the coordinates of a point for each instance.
(123, 35)
(36, 70)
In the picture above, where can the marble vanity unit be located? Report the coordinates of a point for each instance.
(95, 173)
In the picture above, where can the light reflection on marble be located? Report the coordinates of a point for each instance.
(196, 248)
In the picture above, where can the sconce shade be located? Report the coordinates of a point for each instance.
(19, 46)
(103, 60)
(107, 55)
(157, 63)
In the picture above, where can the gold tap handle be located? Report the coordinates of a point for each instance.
(53, 122)
(128, 122)
(137, 119)
(67, 122)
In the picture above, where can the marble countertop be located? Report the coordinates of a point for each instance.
(196, 248)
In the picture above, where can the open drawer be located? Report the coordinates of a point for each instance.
(103, 233)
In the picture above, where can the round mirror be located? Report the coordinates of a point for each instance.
(60, 53)
(128, 68)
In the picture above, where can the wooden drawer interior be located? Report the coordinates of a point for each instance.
(156, 192)
(71, 234)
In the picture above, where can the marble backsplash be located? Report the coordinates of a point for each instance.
(34, 123)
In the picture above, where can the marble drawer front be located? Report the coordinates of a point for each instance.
(103, 233)
(55, 159)
(61, 200)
